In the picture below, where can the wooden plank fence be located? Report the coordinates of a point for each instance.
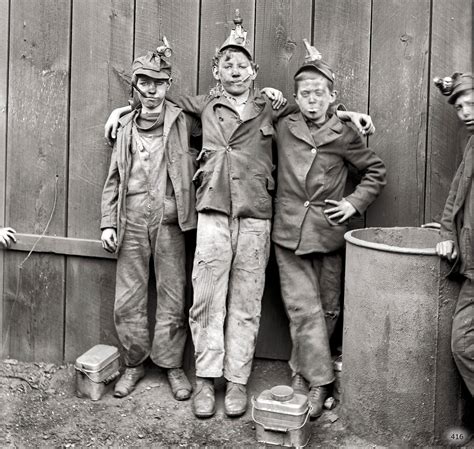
(64, 66)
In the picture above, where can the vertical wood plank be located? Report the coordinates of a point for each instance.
(4, 27)
(217, 19)
(398, 104)
(333, 23)
(37, 155)
(451, 50)
(179, 22)
(102, 52)
(280, 27)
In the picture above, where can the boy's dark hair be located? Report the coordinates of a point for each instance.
(305, 74)
(227, 53)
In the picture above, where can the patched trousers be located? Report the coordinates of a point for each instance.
(311, 290)
(165, 242)
(462, 340)
(228, 280)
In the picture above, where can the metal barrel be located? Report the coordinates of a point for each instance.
(399, 382)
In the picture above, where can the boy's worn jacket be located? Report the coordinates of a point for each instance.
(180, 162)
(454, 222)
(235, 174)
(298, 212)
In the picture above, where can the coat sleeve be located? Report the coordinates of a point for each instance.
(448, 227)
(110, 194)
(373, 173)
(191, 104)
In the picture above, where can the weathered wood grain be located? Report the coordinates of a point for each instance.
(217, 19)
(398, 104)
(37, 165)
(280, 27)
(451, 51)
(102, 53)
(179, 22)
(4, 27)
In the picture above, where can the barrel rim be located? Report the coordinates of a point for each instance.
(388, 248)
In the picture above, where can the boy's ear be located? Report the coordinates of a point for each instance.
(334, 94)
(215, 73)
(169, 83)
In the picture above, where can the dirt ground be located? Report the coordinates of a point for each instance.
(39, 408)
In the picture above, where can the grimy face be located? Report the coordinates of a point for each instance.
(464, 106)
(314, 97)
(235, 72)
(154, 90)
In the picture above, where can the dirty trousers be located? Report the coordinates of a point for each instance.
(311, 289)
(165, 242)
(462, 340)
(228, 280)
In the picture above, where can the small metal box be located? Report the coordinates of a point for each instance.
(281, 417)
(96, 369)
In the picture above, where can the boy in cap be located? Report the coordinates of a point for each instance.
(315, 149)
(234, 206)
(7, 237)
(456, 227)
(147, 204)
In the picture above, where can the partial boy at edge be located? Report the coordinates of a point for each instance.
(457, 223)
(315, 149)
(148, 202)
(234, 207)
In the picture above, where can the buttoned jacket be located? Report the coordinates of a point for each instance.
(325, 157)
(180, 162)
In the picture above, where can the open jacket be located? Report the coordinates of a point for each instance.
(454, 226)
(235, 173)
(180, 163)
(299, 208)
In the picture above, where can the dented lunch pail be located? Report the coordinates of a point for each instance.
(399, 382)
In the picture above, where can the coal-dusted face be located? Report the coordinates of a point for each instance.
(464, 106)
(235, 72)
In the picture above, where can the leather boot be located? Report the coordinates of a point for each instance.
(316, 397)
(204, 401)
(128, 380)
(235, 403)
(179, 383)
(299, 385)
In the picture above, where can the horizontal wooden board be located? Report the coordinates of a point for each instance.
(61, 245)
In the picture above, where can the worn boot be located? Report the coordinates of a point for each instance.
(316, 397)
(128, 380)
(204, 401)
(299, 385)
(179, 384)
(235, 402)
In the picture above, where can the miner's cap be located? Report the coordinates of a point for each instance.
(455, 85)
(237, 38)
(313, 62)
(151, 65)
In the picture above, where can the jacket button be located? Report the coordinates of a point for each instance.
(229, 149)
(313, 150)
(306, 203)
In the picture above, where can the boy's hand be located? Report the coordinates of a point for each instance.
(343, 210)
(111, 126)
(109, 239)
(362, 122)
(278, 100)
(7, 236)
(447, 249)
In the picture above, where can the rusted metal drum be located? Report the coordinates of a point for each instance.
(399, 381)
